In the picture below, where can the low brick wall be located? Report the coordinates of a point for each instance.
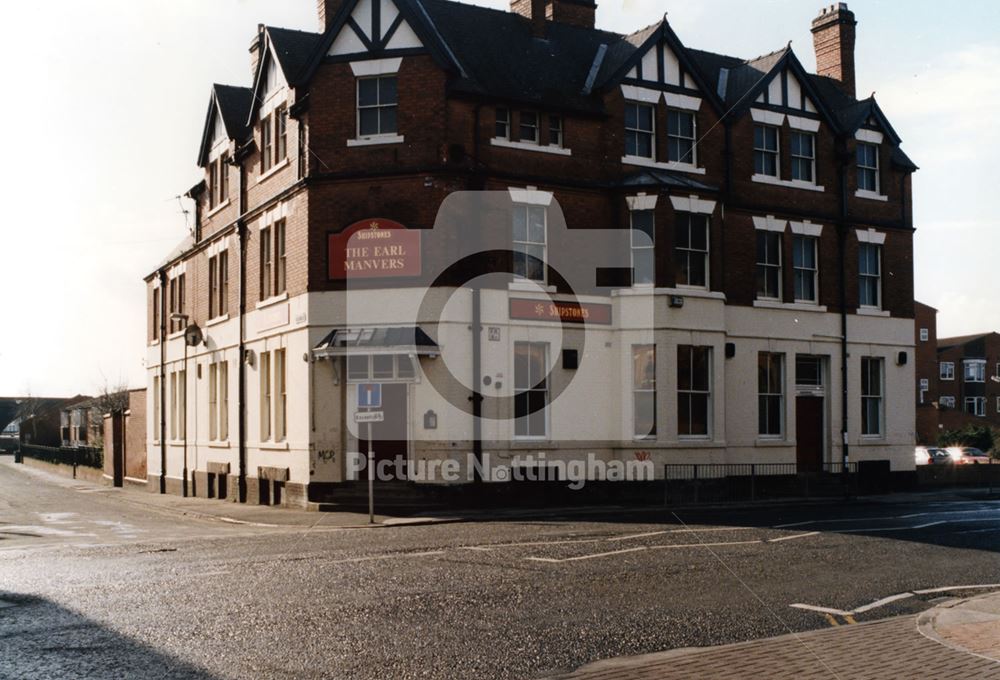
(83, 473)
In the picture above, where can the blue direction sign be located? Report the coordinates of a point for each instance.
(370, 395)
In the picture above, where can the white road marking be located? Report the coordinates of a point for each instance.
(869, 529)
(891, 598)
(977, 531)
(948, 588)
(585, 557)
(631, 536)
(821, 610)
(792, 537)
(839, 520)
(703, 545)
(478, 548)
(881, 603)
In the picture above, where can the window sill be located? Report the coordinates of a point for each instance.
(273, 446)
(217, 209)
(871, 311)
(220, 445)
(528, 146)
(680, 292)
(790, 183)
(176, 334)
(673, 165)
(790, 306)
(871, 195)
(764, 441)
(273, 170)
(375, 140)
(532, 287)
(217, 320)
(271, 301)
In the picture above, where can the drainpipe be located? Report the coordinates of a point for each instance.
(842, 263)
(163, 381)
(241, 231)
(477, 378)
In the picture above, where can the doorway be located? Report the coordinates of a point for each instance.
(809, 433)
(390, 436)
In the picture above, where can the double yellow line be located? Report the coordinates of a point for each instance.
(832, 620)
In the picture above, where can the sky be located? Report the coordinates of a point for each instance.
(106, 102)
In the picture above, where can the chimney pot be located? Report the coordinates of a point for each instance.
(833, 39)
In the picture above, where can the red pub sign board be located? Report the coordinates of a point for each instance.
(373, 249)
(550, 310)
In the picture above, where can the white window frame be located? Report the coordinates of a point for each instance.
(639, 131)
(643, 247)
(799, 156)
(693, 160)
(946, 401)
(521, 125)
(766, 233)
(764, 151)
(709, 421)
(947, 370)
(978, 406)
(764, 396)
(266, 396)
(925, 385)
(557, 130)
(874, 169)
(533, 388)
(528, 207)
(638, 389)
(692, 252)
(502, 120)
(978, 372)
(879, 396)
(280, 395)
(814, 270)
(378, 106)
(862, 276)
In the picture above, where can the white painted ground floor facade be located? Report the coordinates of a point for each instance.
(706, 382)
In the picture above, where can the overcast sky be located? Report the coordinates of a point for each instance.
(106, 100)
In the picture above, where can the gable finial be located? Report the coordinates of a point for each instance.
(789, 45)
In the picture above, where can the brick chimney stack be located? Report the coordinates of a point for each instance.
(573, 12)
(327, 10)
(833, 39)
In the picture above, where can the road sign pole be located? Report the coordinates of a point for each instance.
(371, 476)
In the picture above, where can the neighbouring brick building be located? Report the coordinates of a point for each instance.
(969, 380)
(765, 214)
(125, 433)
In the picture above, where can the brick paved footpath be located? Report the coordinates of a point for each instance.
(960, 639)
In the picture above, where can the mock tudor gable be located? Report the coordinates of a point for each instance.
(374, 25)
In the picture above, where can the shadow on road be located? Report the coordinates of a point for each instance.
(41, 639)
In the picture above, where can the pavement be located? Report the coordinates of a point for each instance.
(956, 639)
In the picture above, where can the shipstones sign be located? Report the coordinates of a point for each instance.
(374, 248)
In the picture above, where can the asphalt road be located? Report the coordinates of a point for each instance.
(95, 584)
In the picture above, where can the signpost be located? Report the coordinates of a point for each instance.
(370, 397)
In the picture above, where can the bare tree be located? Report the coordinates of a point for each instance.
(29, 409)
(111, 398)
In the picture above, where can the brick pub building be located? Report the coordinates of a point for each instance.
(765, 212)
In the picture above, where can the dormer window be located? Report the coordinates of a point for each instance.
(639, 130)
(529, 127)
(377, 106)
(555, 131)
(765, 150)
(502, 129)
(868, 179)
(218, 181)
(680, 136)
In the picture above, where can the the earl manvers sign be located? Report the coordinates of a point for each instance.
(374, 248)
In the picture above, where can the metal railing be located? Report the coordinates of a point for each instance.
(74, 457)
(730, 482)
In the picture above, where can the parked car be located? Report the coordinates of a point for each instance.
(931, 455)
(967, 455)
